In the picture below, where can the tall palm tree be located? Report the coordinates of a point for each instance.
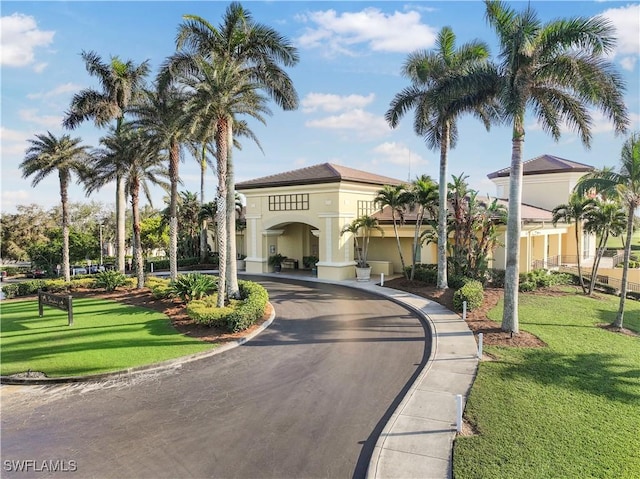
(397, 199)
(132, 154)
(556, 70)
(446, 83)
(254, 55)
(625, 185)
(64, 155)
(606, 218)
(161, 112)
(121, 83)
(575, 211)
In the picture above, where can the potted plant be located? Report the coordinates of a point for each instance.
(362, 228)
(240, 262)
(276, 261)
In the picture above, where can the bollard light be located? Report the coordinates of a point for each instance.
(464, 310)
(480, 335)
(381, 279)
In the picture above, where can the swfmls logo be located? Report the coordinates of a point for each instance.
(32, 465)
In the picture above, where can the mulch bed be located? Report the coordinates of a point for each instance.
(477, 319)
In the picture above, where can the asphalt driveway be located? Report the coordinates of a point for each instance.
(307, 398)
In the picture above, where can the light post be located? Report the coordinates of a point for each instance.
(101, 244)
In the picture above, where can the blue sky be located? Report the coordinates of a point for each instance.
(351, 55)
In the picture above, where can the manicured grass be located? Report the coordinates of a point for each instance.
(616, 241)
(106, 336)
(569, 410)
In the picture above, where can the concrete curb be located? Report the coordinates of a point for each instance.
(149, 368)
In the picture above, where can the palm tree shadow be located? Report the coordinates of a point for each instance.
(594, 373)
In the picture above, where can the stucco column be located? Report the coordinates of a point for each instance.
(336, 257)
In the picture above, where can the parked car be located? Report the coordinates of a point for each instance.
(95, 268)
(36, 273)
(75, 270)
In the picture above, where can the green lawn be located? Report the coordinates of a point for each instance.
(616, 241)
(106, 336)
(569, 410)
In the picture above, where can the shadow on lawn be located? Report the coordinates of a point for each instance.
(595, 373)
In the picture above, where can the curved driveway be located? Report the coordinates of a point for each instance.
(306, 398)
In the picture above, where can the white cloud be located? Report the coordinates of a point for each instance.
(627, 23)
(19, 37)
(378, 31)
(12, 142)
(59, 90)
(47, 121)
(334, 103)
(628, 63)
(11, 199)
(398, 154)
(365, 124)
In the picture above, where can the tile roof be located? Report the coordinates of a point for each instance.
(544, 164)
(322, 173)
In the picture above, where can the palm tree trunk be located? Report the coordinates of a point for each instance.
(64, 199)
(221, 138)
(442, 282)
(233, 290)
(596, 263)
(510, 320)
(579, 251)
(174, 160)
(138, 260)
(416, 245)
(395, 231)
(203, 230)
(625, 270)
(120, 220)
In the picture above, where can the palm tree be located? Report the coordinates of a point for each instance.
(625, 185)
(121, 83)
(64, 155)
(576, 210)
(557, 70)
(605, 218)
(362, 227)
(446, 83)
(397, 199)
(132, 154)
(161, 112)
(248, 55)
(424, 199)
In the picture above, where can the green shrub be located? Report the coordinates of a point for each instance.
(558, 278)
(56, 285)
(27, 288)
(204, 311)
(527, 286)
(110, 280)
(163, 264)
(456, 281)
(193, 286)
(83, 282)
(426, 273)
(238, 315)
(160, 287)
(11, 270)
(10, 290)
(496, 278)
(255, 299)
(472, 292)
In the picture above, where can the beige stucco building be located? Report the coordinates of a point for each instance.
(301, 213)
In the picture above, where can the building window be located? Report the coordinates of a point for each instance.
(289, 202)
(366, 208)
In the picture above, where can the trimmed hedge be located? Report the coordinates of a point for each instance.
(472, 292)
(238, 315)
(426, 273)
(160, 287)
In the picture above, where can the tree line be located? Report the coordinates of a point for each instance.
(220, 75)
